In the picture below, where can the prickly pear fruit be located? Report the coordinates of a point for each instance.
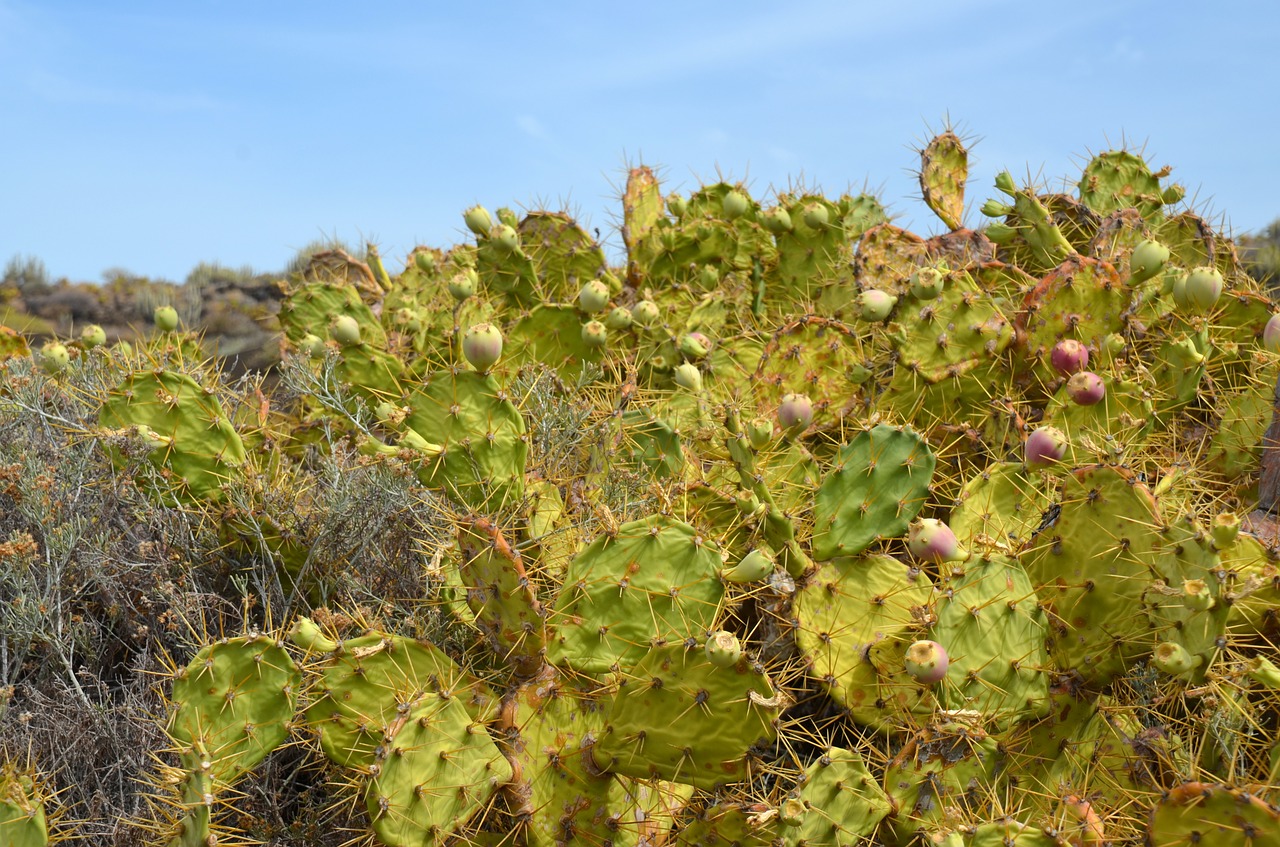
(1196, 595)
(425, 262)
(1271, 334)
(1202, 288)
(747, 502)
(1174, 659)
(1086, 388)
(776, 220)
(792, 811)
(735, 205)
(482, 345)
(926, 283)
(1147, 260)
(93, 336)
(411, 440)
(1225, 530)
(165, 318)
(1069, 356)
(1045, 446)
(593, 297)
(931, 540)
(752, 567)
(505, 238)
(695, 345)
(462, 284)
(313, 345)
(345, 330)
(594, 334)
(688, 376)
(677, 205)
(875, 305)
(478, 220)
(723, 649)
(760, 433)
(816, 215)
(619, 318)
(795, 411)
(645, 313)
(927, 662)
(54, 358)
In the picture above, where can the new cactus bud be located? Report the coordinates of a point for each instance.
(54, 358)
(411, 440)
(792, 812)
(816, 215)
(594, 334)
(1271, 334)
(1174, 659)
(508, 217)
(747, 502)
(723, 649)
(313, 345)
(1202, 288)
(165, 318)
(505, 238)
(478, 220)
(1069, 356)
(345, 330)
(593, 297)
(1086, 388)
(482, 345)
(619, 318)
(1225, 530)
(426, 262)
(875, 305)
(752, 567)
(996, 209)
(1196, 595)
(462, 284)
(776, 220)
(93, 336)
(370, 446)
(795, 412)
(760, 433)
(926, 283)
(1045, 446)
(926, 662)
(677, 205)
(735, 205)
(1147, 260)
(310, 638)
(694, 345)
(1005, 183)
(931, 540)
(688, 376)
(646, 313)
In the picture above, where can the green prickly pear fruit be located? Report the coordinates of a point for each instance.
(747, 502)
(345, 330)
(752, 567)
(425, 262)
(593, 297)
(816, 215)
(688, 376)
(734, 205)
(926, 662)
(996, 209)
(1045, 446)
(1271, 334)
(646, 313)
(1202, 288)
(165, 318)
(1069, 356)
(926, 283)
(1225, 530)
(462, 284)
(792, 812)
(1112, 345)
(1086, 388)
(875, 305)
(776, 220)
(677, 205)
(795, 412)
(619, 318)
(1147, 260)
(1196, 595)
(310, 638)
(54, 358)
(508, 217)
(93, 336)
(1000, 233)
(931, 540)
(478, 220)
(594, 334)
(695, 345)
(313, 345)
(505, 238)
(723, 649)
(1174, 659)
(1005, 183)
(1172, 194)
(482, 346)
(760, 433)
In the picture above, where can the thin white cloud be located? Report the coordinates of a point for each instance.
(60, 89)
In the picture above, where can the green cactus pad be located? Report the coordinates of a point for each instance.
(1001, 505)
(501, 595)
(311, 307)
(730, 824)
(932, 779)
(1201, 813)
(944, 168)
(958, 331)
(1118, 179)
(564, 255)
(641, 206)
(23, 820)
(1082, 299)
(845, 801)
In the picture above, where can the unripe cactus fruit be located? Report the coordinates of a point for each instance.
(688, 376)
(1202, 288)
(677, 205)
(875, 305)
(1196, 595)
(816, 215)
(462, 284)
(926, 283)
(645, 313)
(619, 318)
(1271, 334)
(478, 220)
(1147, 260)
(1225, 530)
(1045, 446)
(752, 567)
(594, 334)
(723, 649)
(734, 205)
(792, 812)
(776, 220)
(313, 345)
(505, 238)
(345, 330)
(593, 297)
(425, 262)
(931, 540)
(795, 411)
(165, 318)
(1069, 356)
(927, 662)
(1174, 659)
(54, 358)
(482, 345)
(93, 336)
(760, 433)
(1086, 388)
(694, 345)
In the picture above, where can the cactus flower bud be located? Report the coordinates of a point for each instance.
(760, 433)
(687, 376)
(752, 567)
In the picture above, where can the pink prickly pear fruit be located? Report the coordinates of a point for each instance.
(1174, 659)
(875, 305)
(723, 649)
(688, 377)
(1271, 334)
(165, 318)
(54, 358)
(752, 567)
(816, 215)
(345, 330)
(734, 205)
(760, 433)
(1202, 288)
(646, 313)
(1085, 828)
(463, 284)
(505, 238)
(926, 283)
(1225, 530)
(795, 411)
(1045, 446)
(776, 220)
(1086, 388)
(93, 336)
(594, 334)
(478, 220)
(931, 540)
(695, 345)
(619, 318)
(1069, 356)
(1196, 595)
(927, 662)
(1147, 260)
(593, 297)
(482, 345)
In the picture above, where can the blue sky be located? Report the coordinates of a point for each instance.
(153, 136)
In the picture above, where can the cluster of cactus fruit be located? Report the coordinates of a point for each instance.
(946, 549)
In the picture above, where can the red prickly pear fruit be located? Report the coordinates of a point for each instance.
(1045, 446)
(723, 649)
(931, 540)
(1202, 288)
(795, 411)
(1086, 388)
(760, 433)
(165, 318)
(505, 238)
(1174, 659)
(594, 334)
(593, 297)
(926, 283)
(1271, 334)
(1069, 356)
(776, 220)
(1225, 530)
(93, 336)
(688, 376)
(619, 318)
(927, 662)
(463, 284)
(482, 345)
(54, 358)
(695, 345)
(734, 205)
(478, 220)
(313, 345)
(816, 215)
(875, 305)
(646, 313)
(1147, 260)
(1196, 595)
(753, 567)
(792, 812)
(345, 330)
